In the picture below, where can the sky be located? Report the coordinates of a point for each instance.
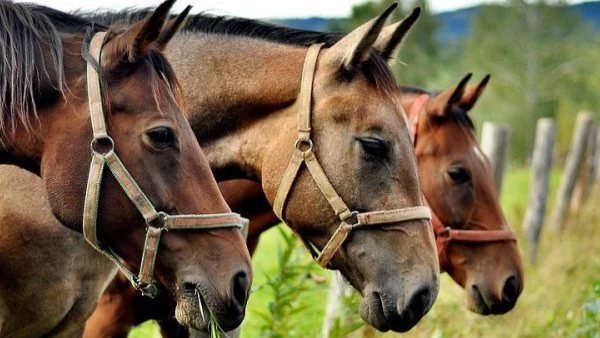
(253, 8)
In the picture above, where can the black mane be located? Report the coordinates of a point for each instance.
(375, 68)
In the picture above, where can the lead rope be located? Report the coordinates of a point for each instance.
(443, 234)
(156, 222)
(303, 153)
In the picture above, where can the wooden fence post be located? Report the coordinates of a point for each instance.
(494, 143)
(587, 172)
(538, 191)
(597, 161)
(572, 166)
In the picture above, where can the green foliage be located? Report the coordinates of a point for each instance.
(590, 322)
(292, 279)
(347, 321)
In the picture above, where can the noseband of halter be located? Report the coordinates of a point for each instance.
(303, 152)
(103, 154)
(443, 234)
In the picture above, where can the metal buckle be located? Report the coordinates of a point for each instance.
(445, 233)
(102, 145)
(352, 219)
(148, 290)
(303, 145)
(159, 222)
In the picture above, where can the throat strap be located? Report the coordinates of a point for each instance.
(303, 152)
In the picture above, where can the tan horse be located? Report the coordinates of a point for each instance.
(243, 91)
(45, 127)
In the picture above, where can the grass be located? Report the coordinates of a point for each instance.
(552, 303)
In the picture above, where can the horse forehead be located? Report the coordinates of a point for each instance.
(144, 92)
(368, 106)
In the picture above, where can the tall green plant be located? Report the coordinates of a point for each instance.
(292, 278)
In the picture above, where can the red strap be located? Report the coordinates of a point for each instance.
(415, 112)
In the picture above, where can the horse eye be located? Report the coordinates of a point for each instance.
(374, 147)
(458, 175)
(162, 137)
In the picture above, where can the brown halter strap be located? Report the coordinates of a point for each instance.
(156, 222)
(303, 153)
(443, 234)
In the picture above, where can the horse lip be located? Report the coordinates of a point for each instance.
(479, 302)
(372, 310)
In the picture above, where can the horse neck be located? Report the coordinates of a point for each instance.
(239, 92)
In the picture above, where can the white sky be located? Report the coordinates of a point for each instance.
(253, 8)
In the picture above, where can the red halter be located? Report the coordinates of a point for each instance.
(443, 234)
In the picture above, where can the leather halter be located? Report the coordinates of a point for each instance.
(156, 221)
(443, 234)
(303, 153)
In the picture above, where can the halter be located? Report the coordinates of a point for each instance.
(156, 222)
(443, 234)
(303, 153)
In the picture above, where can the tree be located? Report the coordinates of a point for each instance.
(533, 52)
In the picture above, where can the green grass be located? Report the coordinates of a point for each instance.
(551, 304)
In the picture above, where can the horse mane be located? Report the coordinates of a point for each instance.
(375, 68)
(24, 35)
(77, 22)
(28, 32)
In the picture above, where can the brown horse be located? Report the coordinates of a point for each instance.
(45, 127)
(246, 118)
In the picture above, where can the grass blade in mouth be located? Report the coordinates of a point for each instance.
(213, 326)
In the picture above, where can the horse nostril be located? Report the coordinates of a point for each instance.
(419, 304)
(240, 287)
(510, 292)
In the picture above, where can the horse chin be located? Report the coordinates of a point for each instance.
(478, 304)
(193, 310)
(188, 312)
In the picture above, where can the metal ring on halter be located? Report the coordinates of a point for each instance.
(351, 219)
(159, 222)
(306, 142)
(99, 142)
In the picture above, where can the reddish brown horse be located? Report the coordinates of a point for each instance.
(51, 85)
(247, 123)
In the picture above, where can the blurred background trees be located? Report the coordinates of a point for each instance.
(543, 56)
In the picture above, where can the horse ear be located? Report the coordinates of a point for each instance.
(171, 28)
(131, 45)
(356, 46)
(388, 42)
(472, 94)
(442, 104)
